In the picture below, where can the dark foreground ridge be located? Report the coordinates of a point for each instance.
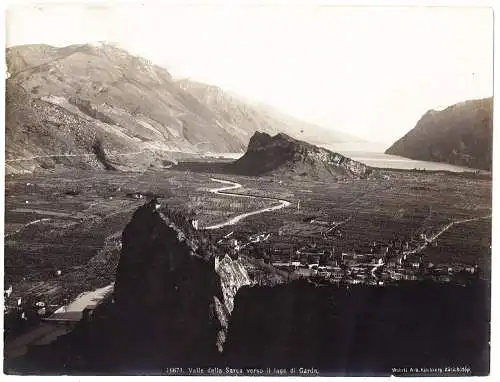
(181, 303)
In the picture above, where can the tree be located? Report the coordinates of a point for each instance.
(325, 259)
(258, 253)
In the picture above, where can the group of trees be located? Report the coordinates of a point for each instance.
(260, 252)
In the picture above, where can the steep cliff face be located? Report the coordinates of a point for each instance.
(461, 134)
(282, 153)
(186, 292)
(233, 276)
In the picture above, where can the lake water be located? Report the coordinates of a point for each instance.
(382, 160)
(372, 154)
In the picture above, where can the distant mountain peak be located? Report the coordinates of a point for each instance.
(460, 134)
(270, 120)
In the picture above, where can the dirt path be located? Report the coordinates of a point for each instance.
(441, 231)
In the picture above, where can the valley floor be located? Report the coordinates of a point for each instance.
(63, 230)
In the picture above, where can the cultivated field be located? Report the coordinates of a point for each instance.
(72, 221)
(466, 243)
(398, 208)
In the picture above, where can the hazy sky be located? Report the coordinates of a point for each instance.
(371, 72)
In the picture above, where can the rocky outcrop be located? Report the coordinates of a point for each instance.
(233, 276)
(172, 287)
(461, 134)
(282, 153)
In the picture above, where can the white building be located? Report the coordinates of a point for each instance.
(194, 222)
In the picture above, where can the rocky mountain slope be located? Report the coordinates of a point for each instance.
(64, 102)
(461, 134)
(284, 154)
(247, 117)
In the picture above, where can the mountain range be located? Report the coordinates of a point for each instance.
(461, 134)
(63, 103)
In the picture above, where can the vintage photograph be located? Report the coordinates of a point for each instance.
(247, 190)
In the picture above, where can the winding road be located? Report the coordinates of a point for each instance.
(24, 226)
(237, 218)
(71, 155)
